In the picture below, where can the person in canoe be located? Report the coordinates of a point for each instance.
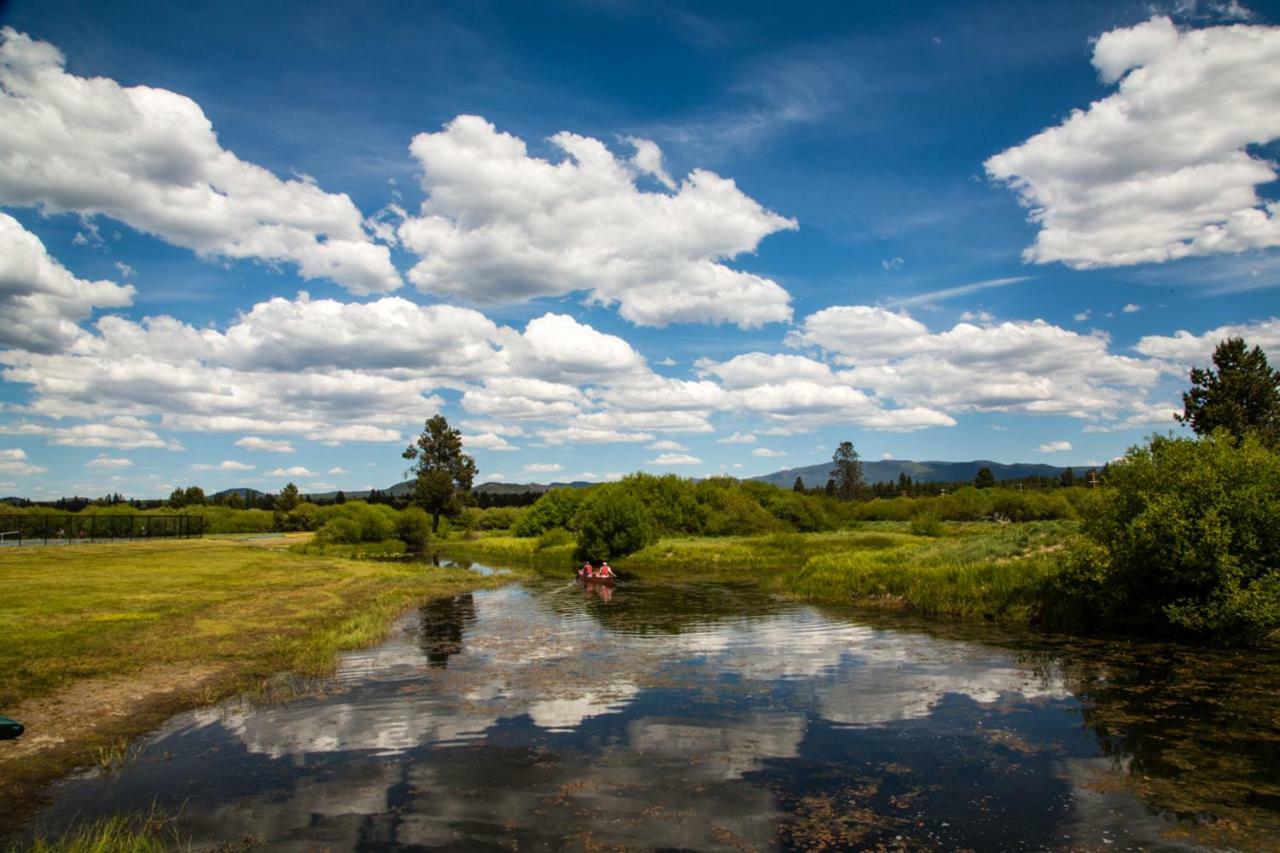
(604, 571)
(587, 570)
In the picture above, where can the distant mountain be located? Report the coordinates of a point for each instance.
(888, 470)
(812, 475)
(522, 488)
(245, 494)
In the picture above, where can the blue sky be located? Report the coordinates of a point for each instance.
(245, 244)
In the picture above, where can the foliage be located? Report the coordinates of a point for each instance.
(1185, 536)
(847, 472)
(413, 528)
(555, 508)
(972, 504)
(442, 473)
(554, 538)
(190, 496)
(1241, 395)
(984, 479)
(613, 521)
(288, 498)
(152, 832)
(926, 525)
(356, 521)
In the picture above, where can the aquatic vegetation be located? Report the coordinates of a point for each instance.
(149, 832)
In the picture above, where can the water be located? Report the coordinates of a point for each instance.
(707, 717)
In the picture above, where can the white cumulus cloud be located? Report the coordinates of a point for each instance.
(675, 459)
(501, 226)
(1054, 446)
(150, 158)
(41, 303)
(1161, 168)
(269, 445)
(104, 461)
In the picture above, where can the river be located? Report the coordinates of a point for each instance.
(696, 716)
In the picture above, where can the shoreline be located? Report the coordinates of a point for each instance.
(83, 701)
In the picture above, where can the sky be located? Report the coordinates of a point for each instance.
(249, 244)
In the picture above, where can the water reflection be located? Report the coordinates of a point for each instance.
(713, 717)
(443, 623)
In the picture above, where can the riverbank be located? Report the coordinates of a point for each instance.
(103, 642)
(975, 570)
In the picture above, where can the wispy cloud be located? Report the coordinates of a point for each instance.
(960, 290)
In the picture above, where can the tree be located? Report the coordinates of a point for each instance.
(442, 473)
(1067, 478)
(340, 497)
(288, 498)
(984, 479)
(848, 471)
(1184, 536)
(190, 496)
(1242, 395)
(798, 485)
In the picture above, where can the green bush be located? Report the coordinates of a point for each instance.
(1185, 536)
(413, 528)
(554, 538)
(926, 525)
(612, 522)
(555, 508)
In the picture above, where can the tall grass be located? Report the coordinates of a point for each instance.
(149, 832)
(983, 570)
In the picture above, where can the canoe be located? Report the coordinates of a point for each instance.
(10, 729)
(585, 579)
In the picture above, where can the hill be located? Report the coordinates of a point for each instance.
(888, 470)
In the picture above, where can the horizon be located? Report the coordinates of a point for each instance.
(549, 483)
(608, 238)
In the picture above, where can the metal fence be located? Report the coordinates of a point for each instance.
(64, 529)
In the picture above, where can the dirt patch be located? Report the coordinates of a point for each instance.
(89, 720)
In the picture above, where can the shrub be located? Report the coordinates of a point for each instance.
(1186, 536)
(413, 528)
(555, 508)
(554, 538)
(926, 525)
(612, 522)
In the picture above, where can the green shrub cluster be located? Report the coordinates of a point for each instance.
(973, 504)
(617, 518)
(1186, 536)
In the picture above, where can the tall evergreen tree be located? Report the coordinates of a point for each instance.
(798, 485)
(984, 479)
(1240, 393)
(442, 473)
(847, 472)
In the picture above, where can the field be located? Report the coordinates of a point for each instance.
(102, 642)
(971, 570)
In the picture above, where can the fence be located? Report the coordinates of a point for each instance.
(58, 529)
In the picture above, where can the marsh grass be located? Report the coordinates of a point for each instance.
(959, 570)
(210, 618)
(148, 832)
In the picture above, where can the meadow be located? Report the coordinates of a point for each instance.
(959, 570)
(103, 642)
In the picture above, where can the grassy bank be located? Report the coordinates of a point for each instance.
(102, 642)
(974, 570)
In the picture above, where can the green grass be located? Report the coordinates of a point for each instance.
(230, 614)
(152, 832)
(972, 570)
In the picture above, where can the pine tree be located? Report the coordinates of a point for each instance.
(442, 473)
(1241, 395)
